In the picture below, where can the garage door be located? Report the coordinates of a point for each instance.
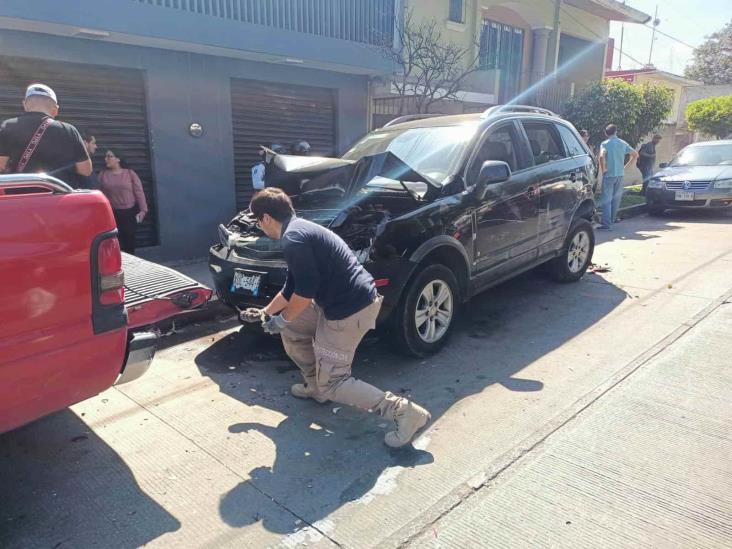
(108, 102)
(265, 113)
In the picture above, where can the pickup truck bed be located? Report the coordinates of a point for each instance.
(154, 292)
(71, 307)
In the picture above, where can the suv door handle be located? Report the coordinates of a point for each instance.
(573, 177)
(532, 192)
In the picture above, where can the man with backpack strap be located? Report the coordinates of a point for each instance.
(35, 142)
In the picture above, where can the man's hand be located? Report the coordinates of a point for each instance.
(252, 314)
(275, 325)
(140, 216)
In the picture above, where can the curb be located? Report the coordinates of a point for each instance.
(632, 211)
(625, 213)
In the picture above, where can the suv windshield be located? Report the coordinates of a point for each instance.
(434, 151)
(704, 155)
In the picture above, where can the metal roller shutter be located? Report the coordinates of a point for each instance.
(264, 113)
(110, 102)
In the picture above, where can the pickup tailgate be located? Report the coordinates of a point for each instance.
(154, 292)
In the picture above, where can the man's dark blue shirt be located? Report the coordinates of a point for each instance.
(322, 267)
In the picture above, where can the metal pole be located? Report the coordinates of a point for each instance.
(555, 35)
(620, 56)
(653, 36)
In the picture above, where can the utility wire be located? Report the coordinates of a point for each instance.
(671, 37)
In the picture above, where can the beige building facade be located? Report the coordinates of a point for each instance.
(519, 58)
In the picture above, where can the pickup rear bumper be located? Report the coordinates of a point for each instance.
(140, 352)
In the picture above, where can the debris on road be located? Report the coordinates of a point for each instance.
(595, 268)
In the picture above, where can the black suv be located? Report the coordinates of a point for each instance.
(437, 208)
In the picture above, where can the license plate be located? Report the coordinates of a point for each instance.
(246, 282)
(684, 195)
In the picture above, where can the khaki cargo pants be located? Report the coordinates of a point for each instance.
(324, 349)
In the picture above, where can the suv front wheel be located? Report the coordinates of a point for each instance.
(426, 315)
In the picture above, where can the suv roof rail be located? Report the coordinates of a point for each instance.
(409, 117)
(517, 108)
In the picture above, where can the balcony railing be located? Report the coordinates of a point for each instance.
(552, 95)
(366, 21)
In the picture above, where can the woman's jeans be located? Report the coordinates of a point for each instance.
(612, 194)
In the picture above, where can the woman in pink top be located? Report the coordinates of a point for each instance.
(124, 192)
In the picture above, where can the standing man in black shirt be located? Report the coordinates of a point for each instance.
(327, 305)
(647, 159)
(57, 147)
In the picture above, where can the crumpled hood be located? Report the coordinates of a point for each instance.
(695, 173)
(302, 174)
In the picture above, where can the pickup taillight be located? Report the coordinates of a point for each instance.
(111, 277)
(107, 284)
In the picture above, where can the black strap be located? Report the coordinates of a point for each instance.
(33, 144)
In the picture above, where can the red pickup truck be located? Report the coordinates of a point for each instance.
(72, 306)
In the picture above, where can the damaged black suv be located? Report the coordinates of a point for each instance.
(437, 209)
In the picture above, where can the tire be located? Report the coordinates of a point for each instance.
(655, 210)
(418, 341)
(576, 255)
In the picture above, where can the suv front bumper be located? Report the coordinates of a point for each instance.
(223, 262)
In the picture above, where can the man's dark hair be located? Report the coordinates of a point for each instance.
(584, 133)
(612, 129)
(272, 201)
(86, 135)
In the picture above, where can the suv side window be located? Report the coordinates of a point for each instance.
(546, 145)
(571, 143)
(499, 145)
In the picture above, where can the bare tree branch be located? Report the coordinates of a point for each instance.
(428, 68)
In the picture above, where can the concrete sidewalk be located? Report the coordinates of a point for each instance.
(648, 464)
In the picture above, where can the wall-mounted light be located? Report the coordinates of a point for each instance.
(195, 129)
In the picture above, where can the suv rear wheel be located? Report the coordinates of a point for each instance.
(426, 314)
(572, 263)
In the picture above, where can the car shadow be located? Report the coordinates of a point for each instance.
(328, 455)
(63, 486)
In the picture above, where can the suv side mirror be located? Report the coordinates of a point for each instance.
(663, 165)
(491, 172)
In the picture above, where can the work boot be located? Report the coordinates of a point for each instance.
(303, 390)
(410, 419)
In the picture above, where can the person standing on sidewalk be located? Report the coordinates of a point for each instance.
(35, 142)
(123, 189)
(91, 181)
(327, 305)
(612, 167)
(647, 159)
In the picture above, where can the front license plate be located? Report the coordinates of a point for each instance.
(246, 282)
(684, 195)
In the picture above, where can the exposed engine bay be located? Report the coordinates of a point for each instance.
(336, 194)
(357, 225)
